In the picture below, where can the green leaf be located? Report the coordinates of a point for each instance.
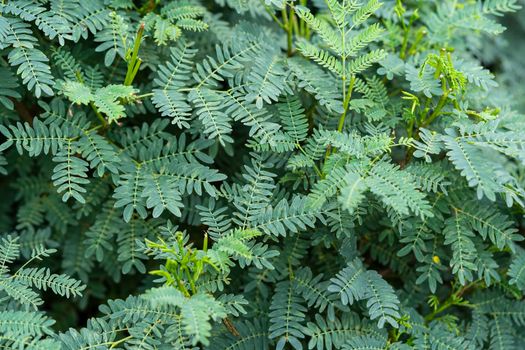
(352, 194)
(77, 92)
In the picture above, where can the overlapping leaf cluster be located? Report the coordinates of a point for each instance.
(261, 175)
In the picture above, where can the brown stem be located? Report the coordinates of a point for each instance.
(23, 111)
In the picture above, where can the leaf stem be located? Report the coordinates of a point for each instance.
(288, 26)
(115, 343)
(138, 97)
(452, 300)
(402, 55)
(99, 115)
(274, 17)
(134, 63)
(304, 30)
(436, 113)
(346, 102)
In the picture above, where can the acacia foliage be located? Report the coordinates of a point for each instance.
(261, 175)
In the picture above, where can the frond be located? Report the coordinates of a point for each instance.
(365, 343)
(423, 81)
(500, 334)
(9, 88)
(363, 39)
(395, 188)
(252, 334)
(9, 252)
(108, 100)
(517, 270)
(88, 17)
(293, 118)
(477, 75)
(77, 92)
(25, 324)
(208, 107)
(459, 236)
(233, 304)
(42, 278)
(313, 151)
(25, 9)
(365, 11)
(113, 39)
(328, 335)
(350, 283)
(172, 76)
(100, 154)
(266, 80)
(489, 223)
(252, 198)
(32, 63)
(316, 82)
(259, 120)
(239, 244)
(102, 231)
(354, 144)
(70, 173)
(362, 63)
(472, 163)
(429, 177)
(314, 292)
(286, 317)
(213, 70)
(287, 217)
(355, 283)
(195, 178)
(196, 313)
(478, 330)
(35, 139)
(161, 193)
(135, 140)
(325, 188)
(21, 293)
(128, 193)
(430, 144)
(164, 296)
(498, 7)
(352, 191)
(330, 37)
(322, 57)
(382, 302)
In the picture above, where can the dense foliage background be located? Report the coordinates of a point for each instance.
(262, 174)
